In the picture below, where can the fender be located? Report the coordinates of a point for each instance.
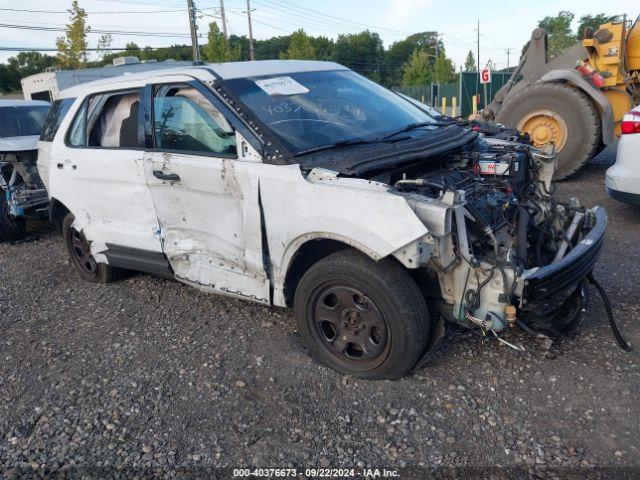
(606, 112)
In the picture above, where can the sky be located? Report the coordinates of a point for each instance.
(503, 25)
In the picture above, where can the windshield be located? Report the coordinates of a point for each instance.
(22, 121)
(310, 110)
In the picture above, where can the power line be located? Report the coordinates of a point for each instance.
(91, 13)
(320, 22)
(50, 49)
(139, 2)
(101, 27)
(263, 23)
(112, 32)
(323, 15)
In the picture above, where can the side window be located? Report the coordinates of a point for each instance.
(56, 114)
(107, 120)
(185, 120)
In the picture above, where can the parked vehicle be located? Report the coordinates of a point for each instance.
(22, 194)
(623, 178)
(48, 84)
(302, 184)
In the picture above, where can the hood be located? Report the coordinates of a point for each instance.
(357, 160)
(18, 144)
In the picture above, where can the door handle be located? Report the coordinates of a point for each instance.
(172, 177)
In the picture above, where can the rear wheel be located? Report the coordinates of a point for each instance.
(79, 250)
(558, 114)
(363, 318)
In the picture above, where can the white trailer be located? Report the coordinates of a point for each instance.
(48, 84)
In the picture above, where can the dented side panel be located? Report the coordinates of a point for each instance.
(210, 222)
(360, 213)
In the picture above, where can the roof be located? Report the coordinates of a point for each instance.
(23, 103)
(260, 68)
(227, 71)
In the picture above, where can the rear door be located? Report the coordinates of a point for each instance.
(206, 198)
(97, 173)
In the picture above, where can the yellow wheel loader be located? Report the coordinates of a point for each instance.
(573, 102)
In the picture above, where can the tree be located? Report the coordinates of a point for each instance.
(470, 63)
(300, 47)
(23, 65)
(323, 47)
(444, 69)
(594, 21)
(559, 34)
(217, 48)
(104, 45)
(362, 52)
(72, 48)
(416, 70)
(400, 52)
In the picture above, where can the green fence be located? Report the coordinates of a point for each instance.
(464, 89)
(470, 86)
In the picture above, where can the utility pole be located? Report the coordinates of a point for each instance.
(436, 34)
(194, 32)
(251, 54)
(508, 53)
(223, 18)
(478, 57)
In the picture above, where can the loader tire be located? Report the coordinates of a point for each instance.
(559, 113)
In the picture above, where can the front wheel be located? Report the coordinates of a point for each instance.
(362, 318)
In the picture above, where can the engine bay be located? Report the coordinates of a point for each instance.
(504, 224)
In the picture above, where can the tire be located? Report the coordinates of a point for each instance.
(80, 257)
(362, 318)
(11, 228)
(569, 104)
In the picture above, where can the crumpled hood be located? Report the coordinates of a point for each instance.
(18, 144)
(361, 159)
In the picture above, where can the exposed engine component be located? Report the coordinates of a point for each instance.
(504, 225)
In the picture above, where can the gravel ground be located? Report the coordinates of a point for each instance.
(150, 377)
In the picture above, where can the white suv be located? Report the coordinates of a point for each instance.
(622, 180)
(302, 184)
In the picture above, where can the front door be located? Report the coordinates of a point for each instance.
(205, 198)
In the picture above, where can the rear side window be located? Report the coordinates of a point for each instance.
(108, 120)
(56, 114)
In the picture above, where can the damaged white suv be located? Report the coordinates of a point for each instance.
(302, 184)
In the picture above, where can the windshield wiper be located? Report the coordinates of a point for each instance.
(407, 128)
(350, 142)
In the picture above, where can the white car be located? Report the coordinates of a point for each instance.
(303, 184)
(22, 194)
(623, 178)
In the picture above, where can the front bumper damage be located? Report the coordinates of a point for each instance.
(553, 298)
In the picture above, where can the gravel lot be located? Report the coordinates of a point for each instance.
(150, 377)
